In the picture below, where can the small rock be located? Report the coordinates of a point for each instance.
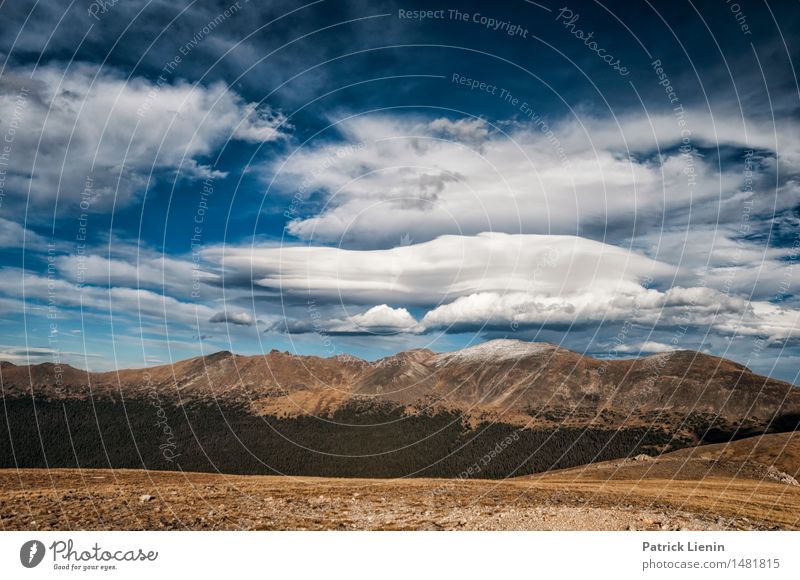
(778, 475)
(431, 527)
(145, 498)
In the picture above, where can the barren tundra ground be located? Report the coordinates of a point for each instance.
(609, 450)
(64, 499)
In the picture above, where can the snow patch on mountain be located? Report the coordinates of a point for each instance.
(503, 349)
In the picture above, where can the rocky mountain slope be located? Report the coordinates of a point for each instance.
(528, 407)
(537, 380)
(771, 458)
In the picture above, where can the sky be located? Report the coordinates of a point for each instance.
(353, 177)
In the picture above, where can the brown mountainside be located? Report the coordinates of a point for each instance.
(501, 376)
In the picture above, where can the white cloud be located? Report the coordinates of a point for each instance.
(496, 281)
(467, 130)
(645, 347)
(439, 270)
(142, 268)
(13, 234)
(579, 177)
(238, 318)
(378, 320)
(261, 124)
(697, 307)
(132, 303)
(384, 318)
(698, 221)
(36, 355)
(91, 129)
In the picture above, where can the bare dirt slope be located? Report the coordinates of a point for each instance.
(499, 376)
(129, 499)
(778, 450)
(770, 458)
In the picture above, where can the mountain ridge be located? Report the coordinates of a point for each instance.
(416, 413)
(502, 376)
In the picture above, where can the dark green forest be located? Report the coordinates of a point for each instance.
(359, 440)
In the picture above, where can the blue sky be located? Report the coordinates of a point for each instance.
(366, 177)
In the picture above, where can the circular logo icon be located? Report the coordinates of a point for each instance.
(31, 553)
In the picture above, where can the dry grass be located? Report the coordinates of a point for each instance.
(107, 499)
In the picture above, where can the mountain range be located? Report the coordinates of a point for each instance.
(413, 413)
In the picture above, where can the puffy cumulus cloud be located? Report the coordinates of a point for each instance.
(498, 281)
(439, 270)
(467, 130)
(260, 124)
(677, 307)
(620, 176)
(493, 310)
(91, 130)
(384, 319)
(238, 318)
(378, 320)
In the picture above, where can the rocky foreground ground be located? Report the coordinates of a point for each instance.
(69, 499)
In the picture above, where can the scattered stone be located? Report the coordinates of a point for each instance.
(431, 527)
(146, 498)
(783, 477)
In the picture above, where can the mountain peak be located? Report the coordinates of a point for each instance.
(500, 349)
